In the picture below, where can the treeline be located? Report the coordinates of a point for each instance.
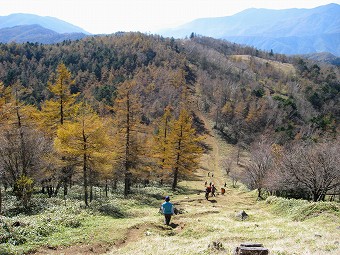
(127, 84)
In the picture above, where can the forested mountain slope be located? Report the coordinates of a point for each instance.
(262, 91)
(94, 132)
(126, 108)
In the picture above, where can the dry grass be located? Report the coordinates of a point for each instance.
(204, 222)
(286, 68)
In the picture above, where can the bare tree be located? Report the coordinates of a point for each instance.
(259, 166)
(314, 167)
(11, 151)
(227, 163)
(235, 175)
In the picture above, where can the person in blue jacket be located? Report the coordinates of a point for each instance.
(167, 210)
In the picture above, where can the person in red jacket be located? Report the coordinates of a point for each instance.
(207, 191)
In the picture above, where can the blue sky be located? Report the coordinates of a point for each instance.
(108, 16)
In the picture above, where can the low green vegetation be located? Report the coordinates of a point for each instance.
(301, 210)
(56, 222)
(121, 225)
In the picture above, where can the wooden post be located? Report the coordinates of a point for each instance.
(251, 249)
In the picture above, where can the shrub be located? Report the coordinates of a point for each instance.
(301, 209)
(315, 209)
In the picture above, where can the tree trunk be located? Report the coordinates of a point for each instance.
(57, 188)
(106, 188)
(65, 186)
(91, 192)
(127, 183)
(317, 196)
(127, 149)
(0, 200)
(49, 191)
(174, 183)
(86, 195)
(238, 155)
(259, 193)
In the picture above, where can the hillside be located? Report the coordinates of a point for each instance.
(257, 80)
(289, 31)
(95, 132)
(208, 227)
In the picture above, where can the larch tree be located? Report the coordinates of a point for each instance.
(184, 148)
(161, 150)
(62, 104)
(127, 123)
(57, 111)
(87, 140)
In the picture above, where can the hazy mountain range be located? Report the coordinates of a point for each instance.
(51, 23)
(290, 31)
(35, 33)
(22, 28)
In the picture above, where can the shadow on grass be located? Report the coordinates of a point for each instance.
(187, 190)
(212, 201)
(174, 225)
(111, 210)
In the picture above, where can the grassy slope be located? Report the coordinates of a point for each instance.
(207, 221)
(202, 223)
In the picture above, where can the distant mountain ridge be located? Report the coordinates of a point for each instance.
(289, 31)
(54, 24)
(22, 28)
(35, 33)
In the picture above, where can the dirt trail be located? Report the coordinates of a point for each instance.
(210, 164)
(196, 204)
(211, 161)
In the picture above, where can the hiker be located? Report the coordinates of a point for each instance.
(167, 210)
(207, 191)
(208, 174)
(225, 184)
(213, 189)
(205, 184)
